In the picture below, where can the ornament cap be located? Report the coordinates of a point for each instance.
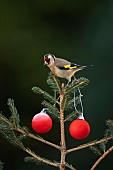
(43, 110)
(81, 116)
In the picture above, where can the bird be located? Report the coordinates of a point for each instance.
(61, 67)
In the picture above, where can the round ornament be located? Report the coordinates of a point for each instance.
(79, 129)
(42, 122)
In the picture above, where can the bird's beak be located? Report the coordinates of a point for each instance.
(45, 62)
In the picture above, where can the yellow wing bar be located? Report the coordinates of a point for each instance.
(68, 66)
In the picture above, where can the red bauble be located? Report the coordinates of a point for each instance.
(41, 123)
(79, 129)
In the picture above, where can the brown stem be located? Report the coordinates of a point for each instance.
(40, 159)
(37, 138)
(75, 86)
(63, 143)
(56, 83)
(102, 157)
(30, 134)
(87, 145)
(5, 120)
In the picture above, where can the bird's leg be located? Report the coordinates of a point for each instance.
(67, 84)
(69, 80)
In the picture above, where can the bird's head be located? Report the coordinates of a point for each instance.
(49, 59)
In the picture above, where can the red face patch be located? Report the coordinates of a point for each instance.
(47, 60)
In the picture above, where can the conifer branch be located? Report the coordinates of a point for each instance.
(70, 166)
(53, 82)
(52, 109)
(79, 83)
(110, 127)
(1, 165)
(14, 114)
(38, 138)
(102, 157)
(20, 130)
(38, 160)
(65, 101)
(45, 94)
(72, 116)
(4, 119)
(103, 146)
(62, 130)
(11, 129)
(70, 102)
(43, 160)
(95, 150)
(88, 145)
(56, 82)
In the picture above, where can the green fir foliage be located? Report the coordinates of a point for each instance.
(70, 166)
(33, 160)
(51, 109)
(14, 114)
(70, 102)
(72, 116)
(107, 134)
(10, 135)
(37, 159)
(103, 146)
(54, 82)
(55, 106)
(45, 94)
(1, 165)
(95, 150)
(25, 129)
(77, 84)
(110, 127)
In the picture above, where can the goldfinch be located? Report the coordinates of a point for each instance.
(61, 67)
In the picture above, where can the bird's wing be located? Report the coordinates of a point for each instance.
(61, 62)
(64, 64)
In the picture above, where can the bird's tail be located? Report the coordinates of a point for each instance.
(79, 67)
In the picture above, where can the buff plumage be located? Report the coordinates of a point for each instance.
(61, 67)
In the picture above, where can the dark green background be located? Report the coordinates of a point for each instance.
(79, 31)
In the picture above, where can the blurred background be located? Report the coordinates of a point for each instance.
(79, 31)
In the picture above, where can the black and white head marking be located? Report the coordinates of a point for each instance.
(47, 58)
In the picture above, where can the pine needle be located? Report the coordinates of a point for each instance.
(103, 146)
(1, 165)
(45, 94)
(54, 82)
(72, 116)
(79, 83)
(95, 150)
(52, 110)
(14, 114)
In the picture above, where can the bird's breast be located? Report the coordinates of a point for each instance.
(62, 73)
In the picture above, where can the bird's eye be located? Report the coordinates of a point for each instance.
(49, 56)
